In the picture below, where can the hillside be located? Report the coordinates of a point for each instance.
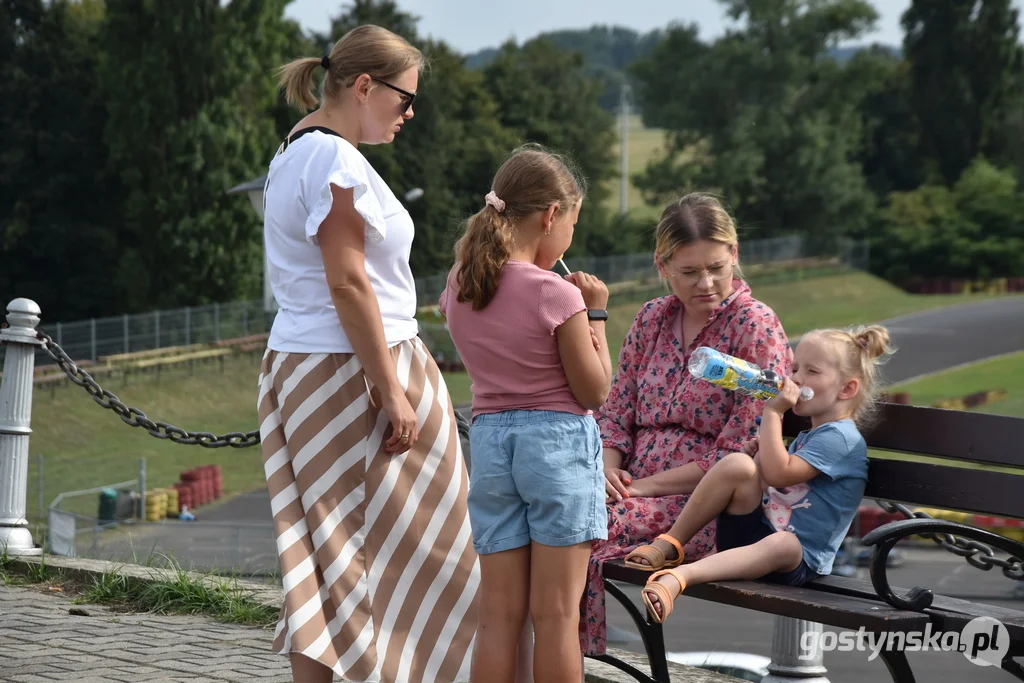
(609, 50)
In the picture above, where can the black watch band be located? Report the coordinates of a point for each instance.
(597, 314)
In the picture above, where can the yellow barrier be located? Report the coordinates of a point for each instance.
(156, 505)
(173, 507)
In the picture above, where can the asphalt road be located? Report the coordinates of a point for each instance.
(928, 342)
(931, 341)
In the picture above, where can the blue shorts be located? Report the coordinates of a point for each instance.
(736, 531)
(536, 475)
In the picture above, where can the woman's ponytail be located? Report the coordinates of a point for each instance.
(296, 79)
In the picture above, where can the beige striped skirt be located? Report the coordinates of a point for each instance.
(380, 576)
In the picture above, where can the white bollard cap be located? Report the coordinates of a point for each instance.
(23, 313)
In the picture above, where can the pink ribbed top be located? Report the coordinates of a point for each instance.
(510, 348)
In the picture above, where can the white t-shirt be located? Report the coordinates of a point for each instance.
(297, 199)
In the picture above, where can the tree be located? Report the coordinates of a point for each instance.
(973, 230)
(965, 63)
(890, 155)
(762, 117)
(451, 147)
(57, 223)
(460, 135)
(188, 87)
(547, 98)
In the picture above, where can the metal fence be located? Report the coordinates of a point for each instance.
(627, 267)
(226, 548)
(98, 337)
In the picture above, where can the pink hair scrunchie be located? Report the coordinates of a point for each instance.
(492, 200)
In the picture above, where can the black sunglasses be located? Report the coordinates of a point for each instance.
(407, 97)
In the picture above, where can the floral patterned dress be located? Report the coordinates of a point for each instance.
(661, 417)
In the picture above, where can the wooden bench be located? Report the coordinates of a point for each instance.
(245, 343)
(132, 356)
(178, 360)
(947, 437)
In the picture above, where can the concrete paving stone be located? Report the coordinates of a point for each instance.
(123, 655)
(25, 636)
(136, 670)
(106, 673)
(238, 676)
(41, 661)
(26, 657)
(191, 667)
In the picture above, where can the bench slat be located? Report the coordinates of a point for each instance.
(953, 434)
(951, 610)
(800, 603)
(948, 488)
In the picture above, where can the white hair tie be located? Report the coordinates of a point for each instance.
(492, 200)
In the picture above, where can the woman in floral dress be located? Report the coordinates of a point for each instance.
(663, 429)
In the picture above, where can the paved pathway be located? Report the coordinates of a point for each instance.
(41, 642)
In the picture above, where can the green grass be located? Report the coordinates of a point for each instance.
(37, 573)
(217, 597)
(86, 446)
(1005, 373)
(644, 145)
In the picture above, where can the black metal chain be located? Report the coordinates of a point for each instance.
(977, 554)
(135, 417)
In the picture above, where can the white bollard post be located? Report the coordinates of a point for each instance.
(15, 421)
(792, 659)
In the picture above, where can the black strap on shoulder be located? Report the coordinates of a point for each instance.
(299, 133)
(289, 140)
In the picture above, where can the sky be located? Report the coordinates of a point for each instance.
(468, 25)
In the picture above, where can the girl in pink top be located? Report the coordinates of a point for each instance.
(534, 347)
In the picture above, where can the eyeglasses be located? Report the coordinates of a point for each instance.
(692, 276)
(407, 97)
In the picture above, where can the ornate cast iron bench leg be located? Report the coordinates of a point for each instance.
(898, 666)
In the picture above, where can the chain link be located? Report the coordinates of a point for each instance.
(977, 554)
(135, 417)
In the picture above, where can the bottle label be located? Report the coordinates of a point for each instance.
(739, 375)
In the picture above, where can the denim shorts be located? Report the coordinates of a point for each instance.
(536, 475)
(736, 531)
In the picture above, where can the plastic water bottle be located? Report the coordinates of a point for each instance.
(739, 375)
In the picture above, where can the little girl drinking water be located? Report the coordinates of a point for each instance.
(534, 346)
(782, 515)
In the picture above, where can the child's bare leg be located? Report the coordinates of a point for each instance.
(558, 577)
(524, 664)
(781, 551)
(733, 485)
(504, 604)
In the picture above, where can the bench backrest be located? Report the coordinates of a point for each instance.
(967, 445)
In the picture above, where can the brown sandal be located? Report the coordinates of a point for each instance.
(655, 556)
(655, 588)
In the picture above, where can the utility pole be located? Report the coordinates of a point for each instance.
(624, 148)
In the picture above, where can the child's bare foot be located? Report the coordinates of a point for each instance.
(660, 594)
